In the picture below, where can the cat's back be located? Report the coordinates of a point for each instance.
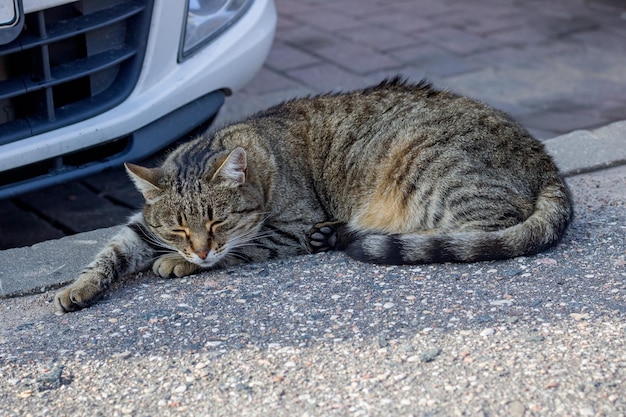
(394, 116)
(344, 148)
(397, 130)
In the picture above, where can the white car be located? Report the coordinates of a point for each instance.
(89, 84)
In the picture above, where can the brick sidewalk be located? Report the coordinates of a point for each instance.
(555, 66)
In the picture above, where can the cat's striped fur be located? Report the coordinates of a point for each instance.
(396, 173)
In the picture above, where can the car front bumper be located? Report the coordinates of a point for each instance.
(169, 99)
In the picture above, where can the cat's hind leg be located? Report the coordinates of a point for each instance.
(327, 236)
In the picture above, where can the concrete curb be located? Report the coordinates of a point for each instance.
(48, 265)
(51, 264)
(585, 151)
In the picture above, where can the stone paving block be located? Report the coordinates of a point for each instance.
(565, 102)
(401, 22)
(435, 61)
(294, 8)
(599, 93)
(618, 30)
(285, 23)
(555, 27)
(284, 57)
(358, 8)
(614, 7)
(76, 208)
(379, 38)
(529, 56)
(504, 56)
(614, 111)
(328, 77)
(563, 121)
(518, 36)
(491, 85)
(240, 106)
(329, 20)
(23, 228)
(481, 18)
(558, 9)
(595, 63)
(517, 84)
(505, 23)
(307, 38)
(606, 41)
(425, 8)
(267, 80)
(357, 58)
(457, 41)
(116, 184)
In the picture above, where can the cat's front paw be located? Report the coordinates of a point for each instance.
(80, 294)
(173, 265)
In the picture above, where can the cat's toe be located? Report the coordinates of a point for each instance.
(317, 239)
(185, 268)
(75, 297)
(173, 266)
(163, 268)
(63, 302)
(322, 238)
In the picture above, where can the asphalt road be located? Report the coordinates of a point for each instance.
(325, 335)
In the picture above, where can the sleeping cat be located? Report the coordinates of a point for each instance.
(398, 173)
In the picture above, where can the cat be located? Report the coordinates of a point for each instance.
(398, 173)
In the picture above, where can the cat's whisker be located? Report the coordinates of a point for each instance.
(263, 235)
(241, 256)
(155, 241)
(250, 238)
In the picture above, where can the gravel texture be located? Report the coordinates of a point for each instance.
(325, 335)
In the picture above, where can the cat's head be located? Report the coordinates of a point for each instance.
(203, 213)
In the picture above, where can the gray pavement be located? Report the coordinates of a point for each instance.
(324, 335)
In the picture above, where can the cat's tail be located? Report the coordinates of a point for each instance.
(544, 228)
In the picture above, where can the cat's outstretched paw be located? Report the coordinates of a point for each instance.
(325, 236)
(80, 294)
(173, 265)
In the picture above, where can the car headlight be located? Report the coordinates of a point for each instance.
(206, 19)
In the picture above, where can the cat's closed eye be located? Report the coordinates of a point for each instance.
(184, 233)
(212, 225)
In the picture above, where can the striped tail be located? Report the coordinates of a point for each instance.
(544, 228)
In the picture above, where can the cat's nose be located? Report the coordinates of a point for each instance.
(202, 253)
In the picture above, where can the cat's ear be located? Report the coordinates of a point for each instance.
(233, 169)
(146, 180)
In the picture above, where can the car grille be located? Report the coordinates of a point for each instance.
(69, 63)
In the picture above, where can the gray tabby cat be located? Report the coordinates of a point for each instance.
(395, 174)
